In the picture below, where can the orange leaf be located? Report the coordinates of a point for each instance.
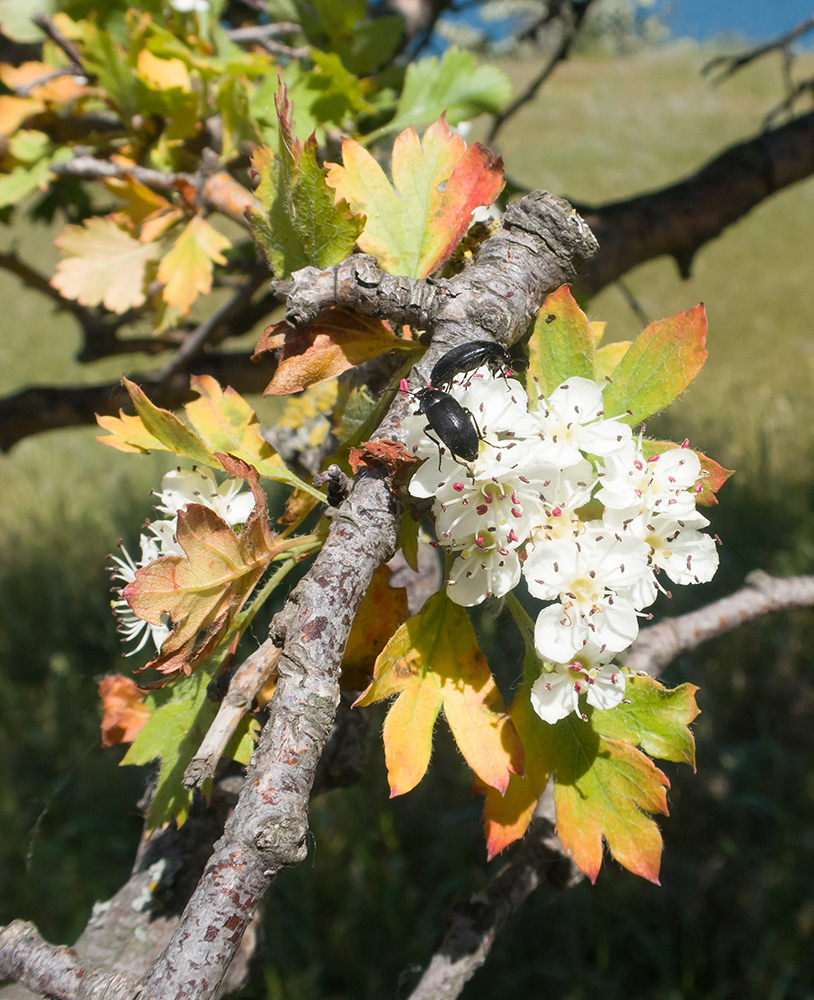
(125, 712)
(713, 475)
(433, 660)
(331, 344)
(412, 225)
(382, 610)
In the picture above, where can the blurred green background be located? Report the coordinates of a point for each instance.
(734, 915)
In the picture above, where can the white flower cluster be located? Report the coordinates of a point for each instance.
(520, 509)
(178, 488)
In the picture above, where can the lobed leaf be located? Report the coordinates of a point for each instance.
(433, 661)
(412, 225)
(658, 366)
(104, 265)
(181, 715)
(454, 85)
(186, 270)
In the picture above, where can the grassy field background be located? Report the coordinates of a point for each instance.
(734, 915)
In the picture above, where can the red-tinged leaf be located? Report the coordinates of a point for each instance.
(186, 271)
(713, 475)
(658, 366)
(412, 225)
(140, 202)
(104, 265)
(434, 660)
(331, 344)
(563, 345)
(654, 718)
(204, 589)
(606, 788)
(505, 819)
(166, 428)
(124, 710)
(382, 611)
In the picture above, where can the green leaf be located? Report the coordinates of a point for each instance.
(455, 84)
(182, 714)
(238, 126)
(562, 345)
(606, 788)
(656, 719)
(658, 366)
(328, 230)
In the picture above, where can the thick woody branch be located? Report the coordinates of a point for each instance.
(660, 644)
(678, 220)
(42, 408)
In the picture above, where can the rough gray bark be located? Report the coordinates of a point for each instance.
(678, 220)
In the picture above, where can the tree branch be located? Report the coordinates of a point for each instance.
(659, 644)
(42, 408)
(729, 65)
(678, 220)
(571, 22)
(474, 923)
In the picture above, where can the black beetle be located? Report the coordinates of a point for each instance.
(468, 357)
(452, 423)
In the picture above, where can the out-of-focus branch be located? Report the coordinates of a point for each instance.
(42, 408)
(212, 328)
(658, 645)
(474, 923)
(729, 65)
(216, 189)
(263, 35)
(678, 220)
(571, 19)
(47, 27)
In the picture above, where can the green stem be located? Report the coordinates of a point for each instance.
(532, 662)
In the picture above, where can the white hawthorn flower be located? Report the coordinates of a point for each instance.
(130, 626)
(229, 500)
(585, 577)
(677, 546)
(190, 6)
(571, 421)
(555, 694)
(483, 570)
(663, 484)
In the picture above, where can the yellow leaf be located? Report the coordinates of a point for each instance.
(186, 271)
(163, 74)
(609, 356)
(105, 265)
(15, 110)
(139, 200)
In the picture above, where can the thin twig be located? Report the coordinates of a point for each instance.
(731, 64)
(633, 302)
(54, 74)
(245, 682)
(261, 34)
(47, 26)
(209, 330)
(570, 27)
